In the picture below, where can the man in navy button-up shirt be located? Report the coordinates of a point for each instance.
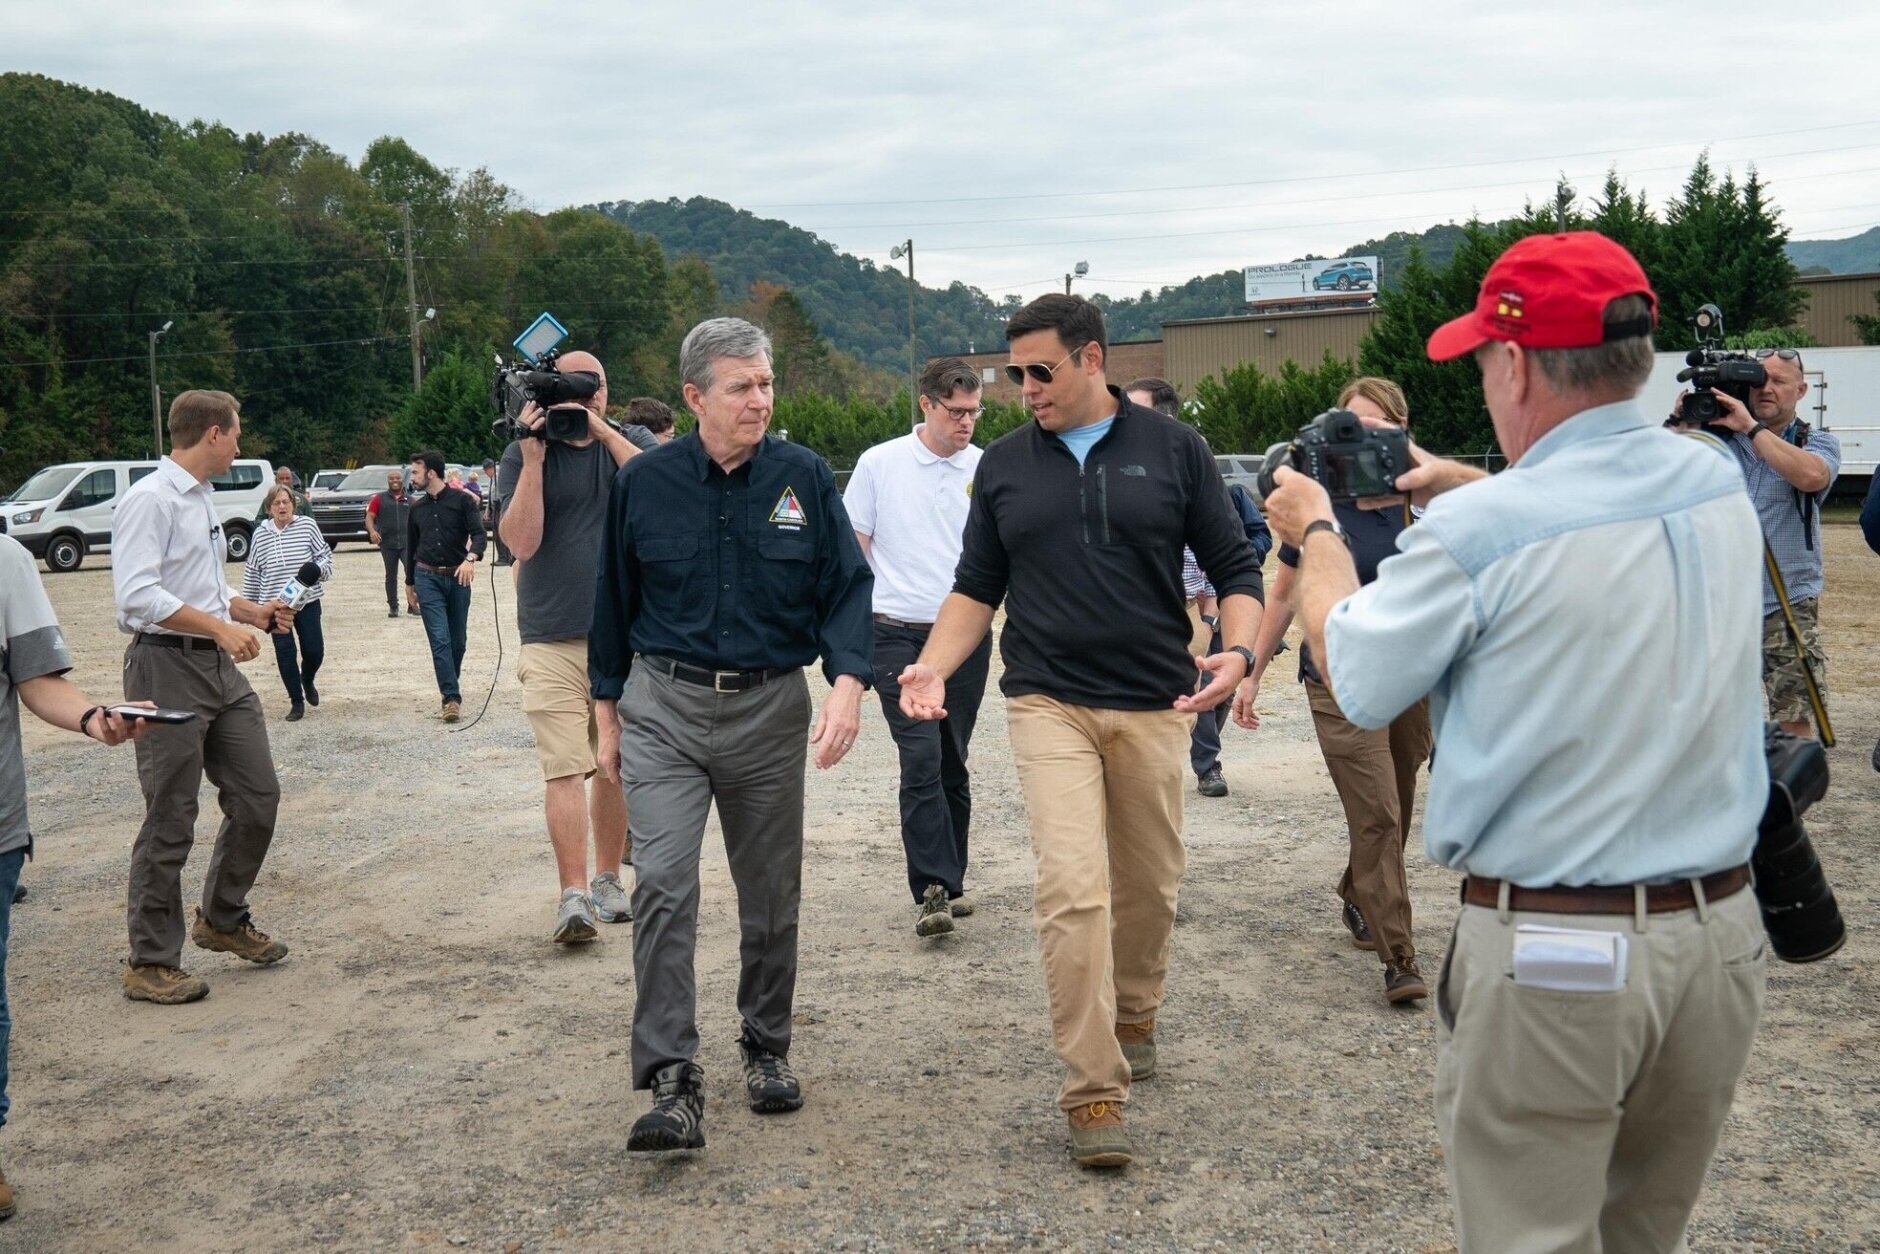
(727, 565)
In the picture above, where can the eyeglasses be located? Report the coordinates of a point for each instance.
(1786, 354)
(963, 415)
(1043, 374)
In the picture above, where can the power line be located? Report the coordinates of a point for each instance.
(213, 352)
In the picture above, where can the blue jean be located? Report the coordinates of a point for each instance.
(10, 867)
(1204, 743)
(445, 605)
(296, 672)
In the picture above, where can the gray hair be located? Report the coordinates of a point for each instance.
(715, 338)
(1618, 368)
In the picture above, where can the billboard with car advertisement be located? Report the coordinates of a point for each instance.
(1309, 280)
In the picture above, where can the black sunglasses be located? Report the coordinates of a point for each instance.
(1786, 354)
(1042, 373)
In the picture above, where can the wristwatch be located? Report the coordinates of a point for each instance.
(1323, 524)
(1245, 653)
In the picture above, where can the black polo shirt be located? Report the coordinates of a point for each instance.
(1373, 534)
(753, 570)
(443, 528)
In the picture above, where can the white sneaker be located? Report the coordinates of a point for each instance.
(611, 903)
(575, 924)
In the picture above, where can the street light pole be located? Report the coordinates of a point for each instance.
(156, 394)
(1079, 271)
(913, 370)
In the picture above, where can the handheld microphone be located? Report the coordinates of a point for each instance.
(301, 588)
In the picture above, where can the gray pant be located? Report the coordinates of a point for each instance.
(228, 741)
(681, 748)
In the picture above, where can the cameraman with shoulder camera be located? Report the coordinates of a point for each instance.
(1789, 469)
(554, 495)
(1604, 982)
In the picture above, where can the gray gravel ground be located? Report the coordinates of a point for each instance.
(426, 1069)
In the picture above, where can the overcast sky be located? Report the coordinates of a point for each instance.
(1011, 140)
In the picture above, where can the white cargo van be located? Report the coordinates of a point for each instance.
(64, 512)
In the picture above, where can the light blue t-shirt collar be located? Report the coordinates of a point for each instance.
(1081, 440)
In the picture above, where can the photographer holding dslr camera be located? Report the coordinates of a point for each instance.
(1789, 469)
(1602, 989)
(554, 480)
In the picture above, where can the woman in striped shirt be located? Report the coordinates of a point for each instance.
(279, 548)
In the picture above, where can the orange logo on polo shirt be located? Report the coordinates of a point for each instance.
(789, 511)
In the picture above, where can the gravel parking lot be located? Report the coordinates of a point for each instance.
(427, 1069)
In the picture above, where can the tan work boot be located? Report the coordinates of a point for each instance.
(245, 941)
(1098, 1138)
(1138, 1042)
(167, 986)
(453, 710)
(6, 1198)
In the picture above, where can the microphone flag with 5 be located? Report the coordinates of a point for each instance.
(303, 587)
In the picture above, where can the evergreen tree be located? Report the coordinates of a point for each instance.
(452, 413)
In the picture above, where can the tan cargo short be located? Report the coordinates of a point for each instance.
(1783, 682)
(554, 677)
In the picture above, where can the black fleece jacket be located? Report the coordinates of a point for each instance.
(1089, 560)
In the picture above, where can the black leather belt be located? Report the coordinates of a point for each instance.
(449, 572)
(718, 681)
(887, 621)
(1605, 898)
(186, 643)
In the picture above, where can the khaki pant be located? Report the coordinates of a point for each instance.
(1584, 1122)
(1375, 773)
(1104, 792)
(556, 697)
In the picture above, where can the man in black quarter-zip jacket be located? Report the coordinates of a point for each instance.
(1077, 524)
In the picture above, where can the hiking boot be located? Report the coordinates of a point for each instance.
(167, 986)
(611, 904)
(772, 1086)
(453, 710)
(575, 924)
(297, 713)
(677, 1119)
(6, 1198)
(1098, 1138)
(1138, 1042)
(244, 941)
(1211, 783)
(961, 906)
(313, 694)
(935, 916)
(1359, 929)
(1403, 982)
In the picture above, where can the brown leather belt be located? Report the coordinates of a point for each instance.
(449, 572)
(887, 621)
(1604, 898)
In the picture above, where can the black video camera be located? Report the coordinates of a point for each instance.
(560, 396)
(1352, 460)
(1710, 370)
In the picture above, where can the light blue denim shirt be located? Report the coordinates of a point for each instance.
(1588, 626)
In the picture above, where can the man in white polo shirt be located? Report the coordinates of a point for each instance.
(908, 500)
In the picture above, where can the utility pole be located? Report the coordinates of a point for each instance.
(1562, 194)
(1078, 271)
(411, 292)
(156, 393)
(906, 249)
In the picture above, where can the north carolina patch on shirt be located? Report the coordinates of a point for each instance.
(789, 511)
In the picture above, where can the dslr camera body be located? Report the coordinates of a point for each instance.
(1351, 460)
(1709, 369)
(559, 394)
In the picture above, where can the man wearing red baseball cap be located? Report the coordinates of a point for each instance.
(1586, 624)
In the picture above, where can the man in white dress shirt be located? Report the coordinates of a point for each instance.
(188, 631)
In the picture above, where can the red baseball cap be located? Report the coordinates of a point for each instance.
(1550, 291)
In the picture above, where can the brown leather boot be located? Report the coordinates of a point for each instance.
(245, 940)
(167, 986)
(6, 1198)
(1138, 1042)
(1098, 1137)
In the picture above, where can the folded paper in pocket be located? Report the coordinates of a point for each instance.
(1568, 959)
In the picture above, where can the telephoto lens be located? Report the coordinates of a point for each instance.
(1798, 907)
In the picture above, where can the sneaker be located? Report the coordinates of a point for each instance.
(1359, 929)
(575, 924)
(297, 713)
(772, 1086)
(1211, 783)
(611, 904)
(961, 906)
(1098, 1138)
(167, 986)
(1403, 982)
(935, 917)
(6, 1198)
(313, 694)
(244, 941)
(452, 711)
(1138, 1042)
(677, 1119)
